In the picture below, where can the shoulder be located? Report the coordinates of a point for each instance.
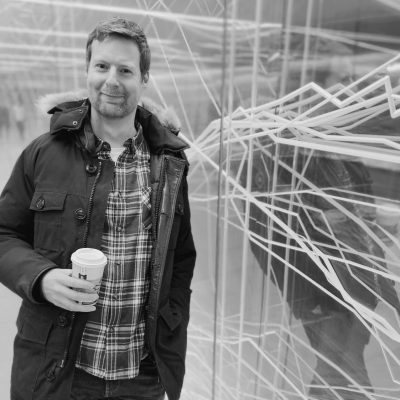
(44, 147)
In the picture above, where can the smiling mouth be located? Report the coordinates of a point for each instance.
(112, 95)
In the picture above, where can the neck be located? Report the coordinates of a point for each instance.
(113, 130)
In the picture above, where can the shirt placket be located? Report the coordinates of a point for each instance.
(131, 174)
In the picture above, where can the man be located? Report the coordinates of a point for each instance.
(66, 192)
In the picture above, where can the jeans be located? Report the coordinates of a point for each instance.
(145, 386)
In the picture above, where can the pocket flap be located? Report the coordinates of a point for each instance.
(171, 317)
(47, 201)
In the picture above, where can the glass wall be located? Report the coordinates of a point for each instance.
(291, 111)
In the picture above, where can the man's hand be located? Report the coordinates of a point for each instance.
(59, 287)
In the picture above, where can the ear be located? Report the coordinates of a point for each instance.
(145, 79)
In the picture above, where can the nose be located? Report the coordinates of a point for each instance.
(112, 78)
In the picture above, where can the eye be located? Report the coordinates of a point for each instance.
(126, 71)
(100, 67)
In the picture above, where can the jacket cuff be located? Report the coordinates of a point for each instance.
(36, 291)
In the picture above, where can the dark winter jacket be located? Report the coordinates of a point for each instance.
(53, 204)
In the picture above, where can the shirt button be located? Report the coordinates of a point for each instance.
(119, 228)
(111, 329)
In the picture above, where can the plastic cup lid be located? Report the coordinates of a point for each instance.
(89, 257)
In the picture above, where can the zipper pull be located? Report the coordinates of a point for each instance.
(54, 370)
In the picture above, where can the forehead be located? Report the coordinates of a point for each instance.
(116, 49)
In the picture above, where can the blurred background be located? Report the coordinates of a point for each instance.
(290, 108)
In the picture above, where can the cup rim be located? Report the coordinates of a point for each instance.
(84, 256)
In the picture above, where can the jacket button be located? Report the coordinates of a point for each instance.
(91, 169)
(62, 321)
(80, 214)
(40, 203)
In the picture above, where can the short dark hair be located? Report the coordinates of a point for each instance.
(123, 28)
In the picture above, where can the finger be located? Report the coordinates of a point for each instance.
(62, 277)
(85, 297)
(77, 283)
(76, 307)
(59, 294)
(72, 281)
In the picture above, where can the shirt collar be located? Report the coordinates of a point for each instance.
(135, 143)
(132, 143)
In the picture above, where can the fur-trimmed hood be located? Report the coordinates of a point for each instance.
(166, 116)
(69, 112)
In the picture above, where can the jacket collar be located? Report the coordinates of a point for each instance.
(69, 117)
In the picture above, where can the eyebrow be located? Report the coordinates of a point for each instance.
(120, 64)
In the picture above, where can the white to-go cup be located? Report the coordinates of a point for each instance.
(89, 264)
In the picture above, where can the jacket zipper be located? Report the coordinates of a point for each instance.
(158, 200)
(90, 206)
(61, 364)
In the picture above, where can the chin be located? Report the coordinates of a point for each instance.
(112, 110)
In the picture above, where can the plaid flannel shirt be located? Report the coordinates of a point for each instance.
(113, 342)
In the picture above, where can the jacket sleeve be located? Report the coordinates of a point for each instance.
(184, 260)
(20, 265)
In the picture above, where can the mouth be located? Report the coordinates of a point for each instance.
(112, 95)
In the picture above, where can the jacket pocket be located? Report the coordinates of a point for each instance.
(48, 207)
(171, 317)
(171, 338)
(30, 347)
(32, 328)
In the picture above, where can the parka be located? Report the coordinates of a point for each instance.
(53, 204)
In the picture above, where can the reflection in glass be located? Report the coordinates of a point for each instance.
(310, 186)
(326, 201)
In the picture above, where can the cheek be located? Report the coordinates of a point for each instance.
(132, 91)
(91, 91)
(94, 83)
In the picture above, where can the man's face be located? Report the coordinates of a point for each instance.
(114, 80)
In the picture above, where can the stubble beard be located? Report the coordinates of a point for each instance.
(110, 110)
